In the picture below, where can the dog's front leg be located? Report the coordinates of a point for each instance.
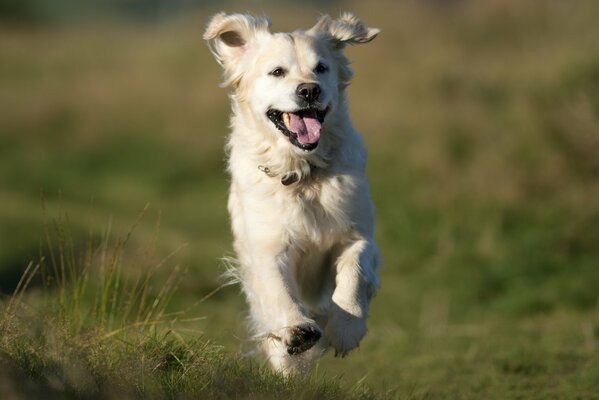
(356, 283)
(277, 313)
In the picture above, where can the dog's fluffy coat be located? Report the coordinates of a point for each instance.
(307, 258)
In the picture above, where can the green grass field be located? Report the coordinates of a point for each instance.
(482, 123)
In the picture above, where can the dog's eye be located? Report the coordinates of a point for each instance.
(321, 68)
(277, 72)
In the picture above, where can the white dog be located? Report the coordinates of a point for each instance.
(300, 208)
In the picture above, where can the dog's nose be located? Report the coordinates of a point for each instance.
(308, 91)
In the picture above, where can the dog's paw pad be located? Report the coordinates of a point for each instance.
(302, 338)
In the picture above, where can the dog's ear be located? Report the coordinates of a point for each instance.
(347, 29)
(229, 37)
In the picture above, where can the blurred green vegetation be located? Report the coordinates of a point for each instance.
(76, 11)
(482, 123)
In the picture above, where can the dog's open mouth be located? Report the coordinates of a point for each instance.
(302, 127)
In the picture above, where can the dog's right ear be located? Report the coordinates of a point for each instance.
(229, 37)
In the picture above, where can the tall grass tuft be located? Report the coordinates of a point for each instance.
(102, 272)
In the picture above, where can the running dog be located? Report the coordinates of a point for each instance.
(301, 213)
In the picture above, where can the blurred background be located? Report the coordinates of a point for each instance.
(482, 123)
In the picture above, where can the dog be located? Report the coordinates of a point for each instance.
(300, 208)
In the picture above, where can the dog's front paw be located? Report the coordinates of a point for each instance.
(344, 330)
(301, 338)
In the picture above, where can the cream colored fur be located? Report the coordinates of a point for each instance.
(307, 257)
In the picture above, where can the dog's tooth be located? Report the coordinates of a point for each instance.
(286, 120)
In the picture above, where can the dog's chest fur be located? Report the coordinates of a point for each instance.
(317, 210)
(314, 213)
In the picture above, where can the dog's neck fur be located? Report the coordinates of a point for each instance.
(275, 153)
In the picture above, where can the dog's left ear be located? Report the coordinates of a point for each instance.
(347, 29)
(229, 37)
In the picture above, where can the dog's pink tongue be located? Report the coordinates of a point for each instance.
(307, 128)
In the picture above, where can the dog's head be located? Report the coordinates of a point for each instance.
(292, 82)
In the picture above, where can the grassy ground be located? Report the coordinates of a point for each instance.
(482, 122)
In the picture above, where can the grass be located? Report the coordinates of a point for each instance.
(483, 167)
(92, 331)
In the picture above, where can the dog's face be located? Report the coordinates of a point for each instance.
(293, 81)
